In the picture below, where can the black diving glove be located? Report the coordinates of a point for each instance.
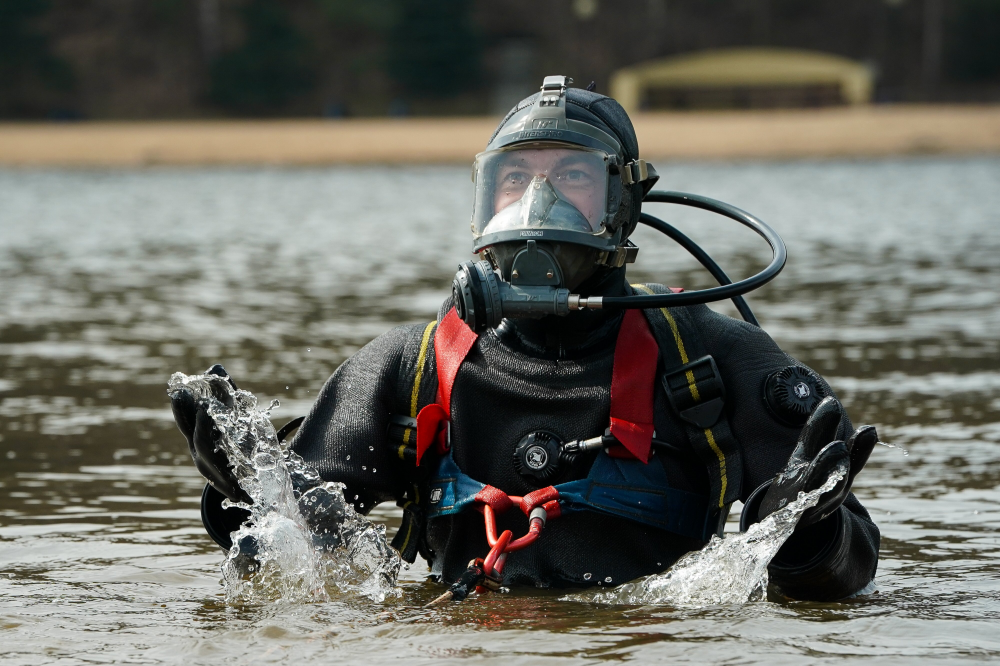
(198, 428)
(817, 454)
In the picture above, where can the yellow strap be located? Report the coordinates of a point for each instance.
(424, 342)
(409, 530)
(409, 524)
(415, 392)
(693, 387)
(722, 465)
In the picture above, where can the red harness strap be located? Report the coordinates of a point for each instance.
(632, 383)
(452, 343)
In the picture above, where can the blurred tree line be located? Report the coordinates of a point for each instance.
(428, 49)
(191, 58)
(32, 77)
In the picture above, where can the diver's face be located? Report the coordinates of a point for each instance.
(577, 176)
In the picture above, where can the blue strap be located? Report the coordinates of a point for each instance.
(625, 488)
(451, 490)
(639, 492)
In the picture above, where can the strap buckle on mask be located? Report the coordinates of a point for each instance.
(623, 254)
(556, 84)
(635, 171)
(549, 111)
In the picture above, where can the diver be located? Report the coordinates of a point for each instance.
(534, 435)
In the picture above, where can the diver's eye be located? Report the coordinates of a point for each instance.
(574, 177)
(515, 179)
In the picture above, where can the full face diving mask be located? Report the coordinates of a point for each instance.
(549, 203)
(547, 192)
(540, 216)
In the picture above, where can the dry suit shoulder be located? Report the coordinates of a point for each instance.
(367, 380)
(447, 305)
(395, 342)
(722, 334)
(378, 361)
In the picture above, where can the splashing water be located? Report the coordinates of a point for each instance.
(728, 571)
(302, 537)
(889, 445)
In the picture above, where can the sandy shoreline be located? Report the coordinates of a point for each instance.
(839, 132)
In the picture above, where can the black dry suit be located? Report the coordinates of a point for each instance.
(718, 437)
(505, 389)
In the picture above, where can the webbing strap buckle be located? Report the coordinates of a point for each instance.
(696, 391)
(402, 421)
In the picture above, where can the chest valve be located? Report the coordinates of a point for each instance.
(537, 455)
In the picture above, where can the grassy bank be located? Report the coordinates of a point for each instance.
(838, 132)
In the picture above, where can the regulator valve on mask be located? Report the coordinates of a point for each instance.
(482, 300)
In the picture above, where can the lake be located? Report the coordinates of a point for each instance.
(112, 280)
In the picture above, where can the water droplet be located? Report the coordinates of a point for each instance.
(286, 388)
(371, 448)
(355, 497)
(308, 349)
(364, 468)
(375, 470)
(348, 456)
(361, 505)
(608, 579)
(587, 576)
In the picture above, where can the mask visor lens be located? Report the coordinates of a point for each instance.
(571, 177)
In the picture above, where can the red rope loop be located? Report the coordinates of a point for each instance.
(494, 501)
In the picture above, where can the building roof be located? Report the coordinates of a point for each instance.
(748, 67)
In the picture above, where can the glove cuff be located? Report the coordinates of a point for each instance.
(752, 506)
(220, 522)
(821, 569)
(832, 525)
(819, 577)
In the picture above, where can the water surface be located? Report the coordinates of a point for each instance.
(110, 281)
